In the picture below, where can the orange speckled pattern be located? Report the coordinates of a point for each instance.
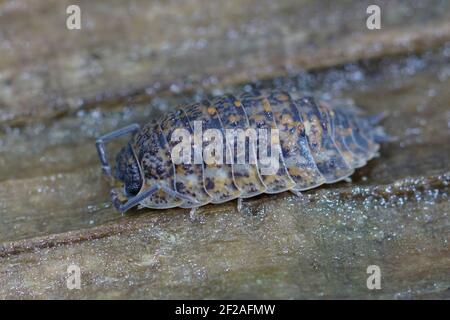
(318, 142)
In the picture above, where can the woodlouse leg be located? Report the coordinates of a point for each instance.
(240, 204)
(379, 136)
(192, 213)
(179, 195)
(100, 144)
(296, 192)
(122, 207)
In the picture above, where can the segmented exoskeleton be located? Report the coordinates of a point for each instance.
(318, 143)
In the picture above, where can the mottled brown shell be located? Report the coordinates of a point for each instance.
(319, 143)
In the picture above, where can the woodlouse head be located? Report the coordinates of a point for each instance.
(127, 171)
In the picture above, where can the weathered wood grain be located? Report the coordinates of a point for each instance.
(393, 213)
(54, 204)
(146, 48)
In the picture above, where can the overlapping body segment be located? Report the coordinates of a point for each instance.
(344, 131)
(296, 150)
(271, 163)
(229, 150)
(153, 155)
(235, 122)
(361, 130)
(337, 137)
(190, 174)
(327, 155)
(217, 174)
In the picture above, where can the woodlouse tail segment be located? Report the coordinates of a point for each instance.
(380, 136)
(377, 118)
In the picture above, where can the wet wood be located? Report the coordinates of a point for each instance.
(60, 89)
(151, 48)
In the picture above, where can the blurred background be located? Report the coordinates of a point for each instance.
(63, 86)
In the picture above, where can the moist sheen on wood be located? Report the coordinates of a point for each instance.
(55, 208)
(171, 47)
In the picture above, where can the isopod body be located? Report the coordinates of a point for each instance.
(316, 143)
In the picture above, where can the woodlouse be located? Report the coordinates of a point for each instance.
(319, 143)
